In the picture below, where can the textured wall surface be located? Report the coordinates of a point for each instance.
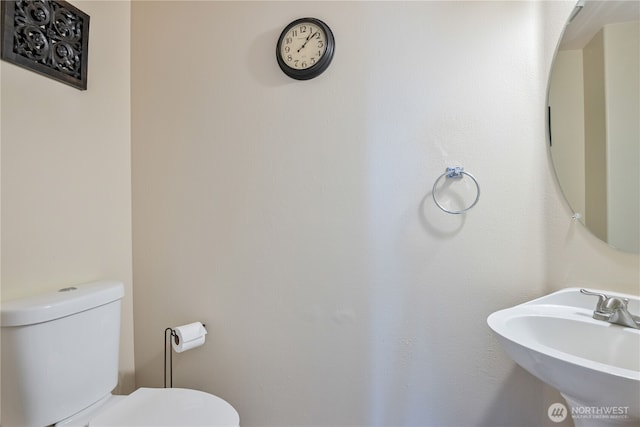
(295, 218)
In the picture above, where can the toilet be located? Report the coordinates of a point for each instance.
(60, 365)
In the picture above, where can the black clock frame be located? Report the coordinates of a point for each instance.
(320, 66)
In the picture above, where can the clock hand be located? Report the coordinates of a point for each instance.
(307, 41)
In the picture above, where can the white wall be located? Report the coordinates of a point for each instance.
(621, 63)
(66, 173)
(295, 218)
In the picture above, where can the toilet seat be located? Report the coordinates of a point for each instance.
(168, 407)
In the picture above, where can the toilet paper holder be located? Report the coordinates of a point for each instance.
(170, 336)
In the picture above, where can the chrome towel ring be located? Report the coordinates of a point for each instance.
(456, 172)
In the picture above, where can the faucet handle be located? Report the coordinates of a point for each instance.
(601, 298)
(600, 313)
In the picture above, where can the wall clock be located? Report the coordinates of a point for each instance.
(305, 48)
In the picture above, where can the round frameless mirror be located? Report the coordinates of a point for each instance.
(594, 119)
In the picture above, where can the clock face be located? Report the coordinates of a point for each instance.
(305, 48)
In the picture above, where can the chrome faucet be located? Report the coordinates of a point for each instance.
(613, 310)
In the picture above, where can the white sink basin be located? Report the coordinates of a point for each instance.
(593, 363)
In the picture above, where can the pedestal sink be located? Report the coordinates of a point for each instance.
(594, 364)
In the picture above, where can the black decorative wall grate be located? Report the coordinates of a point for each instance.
(50, 37)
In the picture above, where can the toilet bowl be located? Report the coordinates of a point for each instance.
(157, 407)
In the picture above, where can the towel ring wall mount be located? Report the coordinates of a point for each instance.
(455, 172)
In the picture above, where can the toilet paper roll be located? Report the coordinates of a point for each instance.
(188, 336)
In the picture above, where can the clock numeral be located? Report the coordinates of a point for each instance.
(317, 35)
(287, 49)
(288, 40)
(294, 33)
(320, 44)
(304, 65)
(303, 28)
(289, 58)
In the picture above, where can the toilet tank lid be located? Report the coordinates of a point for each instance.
(56, 304)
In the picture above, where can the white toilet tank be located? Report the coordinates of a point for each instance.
(59, 352)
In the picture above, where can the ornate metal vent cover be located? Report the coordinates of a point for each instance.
(50, 37)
